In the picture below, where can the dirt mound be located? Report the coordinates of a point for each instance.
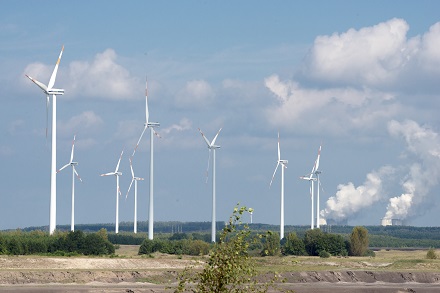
(362, 276)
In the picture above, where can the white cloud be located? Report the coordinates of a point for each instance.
(331, 109)
(370, 56)
(103, 77)
(196, 94)
(184, 124)
(429, 53)
(85, 122)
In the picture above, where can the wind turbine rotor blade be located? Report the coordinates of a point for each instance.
(317, 159)
(38, 83)
(215, 137)
(119, 161)
(73, 147)
(131, 168)
(279, 151)
(126, 196)
(59, 170)
(207, 169)
(147, 114)
(156, 133)
(47, 114)
(108, 174)
(204, 137)
(77, 175)
(273, 176)
(139, 140)
(55, 70)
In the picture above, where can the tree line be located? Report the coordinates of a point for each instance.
(60, 243)
(314, 243)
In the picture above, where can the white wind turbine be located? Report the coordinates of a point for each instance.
(150, 125)
(312, 179)
(135, 179)
(317, 172)
(212, 146)
(49, 90)
(74, 172)
(117, 173)
(283, 165)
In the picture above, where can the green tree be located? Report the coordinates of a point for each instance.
(431, 254)
(271, 245)
(359, 241)
(293, 245)
(229, 268)
(312, 241)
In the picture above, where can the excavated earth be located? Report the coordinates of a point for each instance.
(82, 274)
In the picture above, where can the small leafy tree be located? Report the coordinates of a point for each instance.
(293, 245)
(229, 268)
(271, 245)
(431, 254)
(359, 241)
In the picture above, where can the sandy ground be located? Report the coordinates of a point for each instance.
(131, 273)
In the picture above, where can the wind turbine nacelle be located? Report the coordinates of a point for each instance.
(57, 92)
(284, 161)
(214, 147)
(153, 124)
(118, 173)
(74, 163)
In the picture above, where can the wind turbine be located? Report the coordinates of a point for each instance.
(317, 172)
(312, 179)
(49, 90)
(283, 164)
(150, 125)
(117, 173)
(74, 172)
(135, 179)
(212, 146)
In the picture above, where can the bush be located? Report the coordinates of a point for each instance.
(293, 245)
(431, 254)
(324, 254)
(229, 268)
(370, 253)
(271, 245)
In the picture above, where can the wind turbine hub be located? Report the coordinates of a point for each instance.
(153, 124)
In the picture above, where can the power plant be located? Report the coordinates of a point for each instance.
(392, 222)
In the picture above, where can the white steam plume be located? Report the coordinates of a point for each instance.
(424, 143)
(349, 199)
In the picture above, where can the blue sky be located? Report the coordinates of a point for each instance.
(359, 77)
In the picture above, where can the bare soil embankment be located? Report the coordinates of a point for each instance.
(389, 272)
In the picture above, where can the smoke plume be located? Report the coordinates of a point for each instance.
(349, 199)
(424, 144)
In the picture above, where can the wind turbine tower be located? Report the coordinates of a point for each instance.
(74, 172)
(283, 164)
(135, 179)
(150, 125)
(317, 172)
(49, 90)
(311, 179)
(117, 173)
(212, 146)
